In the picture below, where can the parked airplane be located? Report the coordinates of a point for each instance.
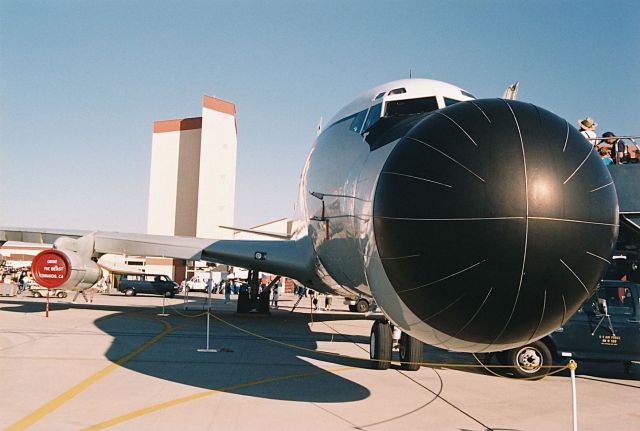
(476, 225)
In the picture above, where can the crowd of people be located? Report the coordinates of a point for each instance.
(612, 150)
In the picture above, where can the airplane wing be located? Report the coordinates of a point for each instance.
(283, 257)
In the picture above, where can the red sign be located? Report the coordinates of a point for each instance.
(51, 268)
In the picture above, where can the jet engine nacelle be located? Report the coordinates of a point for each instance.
(63, 269)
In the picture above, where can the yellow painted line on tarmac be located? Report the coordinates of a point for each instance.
(52, 405)
(171, 403)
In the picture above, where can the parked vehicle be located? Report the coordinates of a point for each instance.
(41, 292)
(359, 305)
(154, 284)
(605, 328)
(198, 283)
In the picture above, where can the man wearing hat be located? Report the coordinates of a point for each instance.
(588, 129)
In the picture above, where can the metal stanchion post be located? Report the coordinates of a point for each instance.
(572, 366)
(163, 313)
(209, 288)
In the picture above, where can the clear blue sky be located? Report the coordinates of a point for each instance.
(81, 83)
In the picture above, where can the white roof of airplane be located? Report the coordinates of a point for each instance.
(413, 88)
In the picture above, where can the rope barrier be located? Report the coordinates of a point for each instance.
(554, 369)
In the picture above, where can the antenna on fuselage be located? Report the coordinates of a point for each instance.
(512, 91)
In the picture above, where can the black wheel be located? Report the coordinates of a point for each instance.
(380, 345)
(37, 295)
(129, 292)
(61, 294)
(362, 306)
(530, 361)
(410, 352)
(169, 294)
(352, 308)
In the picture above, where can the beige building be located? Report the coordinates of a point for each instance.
(192, 181)
(193, 173)
(217, 184)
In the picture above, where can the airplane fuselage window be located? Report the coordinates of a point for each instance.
(449, 102)
(374, 115)
(411, 106)
(358, 121)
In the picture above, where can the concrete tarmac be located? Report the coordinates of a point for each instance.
(116, 364)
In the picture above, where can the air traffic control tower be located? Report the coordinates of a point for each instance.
(193, 173)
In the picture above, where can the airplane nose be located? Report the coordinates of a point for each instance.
(494, 220)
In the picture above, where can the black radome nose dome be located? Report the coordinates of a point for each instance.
(494, 220)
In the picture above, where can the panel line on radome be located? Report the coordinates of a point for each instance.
(485, 115)
(566, 139)
(443, 278)
(459, 127)
(526, 227)
(599, 257)
(417, 178)
(579, 166)
(576, 276)
(447, 156)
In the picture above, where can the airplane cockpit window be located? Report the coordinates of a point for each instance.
(397, 91)
(358, 121)
(411, 106)
(374, 115)
(449, 102)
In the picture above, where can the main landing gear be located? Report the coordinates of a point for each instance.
(385, 339)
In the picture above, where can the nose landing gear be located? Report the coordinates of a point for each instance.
(385, 339)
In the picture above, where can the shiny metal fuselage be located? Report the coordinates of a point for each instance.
(345, 171)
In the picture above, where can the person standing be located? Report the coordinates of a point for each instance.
(588, 129)
(276, 294)
(618, 150)
(634, 152)
(227, 292)
(328, 301)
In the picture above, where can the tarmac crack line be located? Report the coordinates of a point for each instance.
(55, 403)
(437, 395)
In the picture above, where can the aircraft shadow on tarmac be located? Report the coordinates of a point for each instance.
(244, 363)
(254, 366)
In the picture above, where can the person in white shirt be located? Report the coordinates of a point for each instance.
(588, 130)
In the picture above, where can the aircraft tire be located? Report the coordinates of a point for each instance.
(532, 361)
(362, 306)
(410, 352)
(380, 345)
